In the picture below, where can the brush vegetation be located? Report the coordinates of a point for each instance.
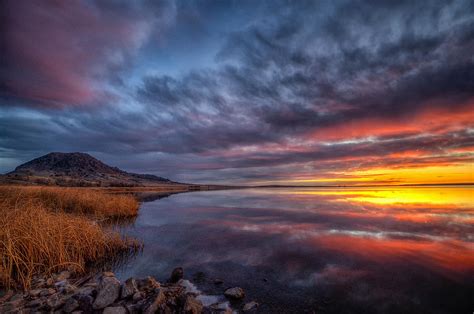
(45, 229)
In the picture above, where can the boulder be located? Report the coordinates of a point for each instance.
(176, 275)
(250, 306)
(109, 291)
(129, 288)
(235, 293)
(115, 310)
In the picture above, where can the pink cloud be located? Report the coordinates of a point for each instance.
(58, 53)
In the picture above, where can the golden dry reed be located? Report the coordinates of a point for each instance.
(45, 229)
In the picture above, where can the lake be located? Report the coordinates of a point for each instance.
(327, 250)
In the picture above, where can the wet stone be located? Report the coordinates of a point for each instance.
(235, 293)
(108, 292)
(115, 310)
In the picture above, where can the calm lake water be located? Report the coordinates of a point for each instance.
(366, 250)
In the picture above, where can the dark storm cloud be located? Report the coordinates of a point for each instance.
(299, 75)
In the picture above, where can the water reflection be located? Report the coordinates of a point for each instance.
(334, 250)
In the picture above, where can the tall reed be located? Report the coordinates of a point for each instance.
(43, 230)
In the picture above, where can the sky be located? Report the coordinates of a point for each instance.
(244, 92)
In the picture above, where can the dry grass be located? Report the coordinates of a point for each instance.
(81, 201)
(43, 230)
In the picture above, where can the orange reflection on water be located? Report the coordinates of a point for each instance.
(457, 196)
(450, 255)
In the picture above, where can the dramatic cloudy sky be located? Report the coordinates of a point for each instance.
(300, 92)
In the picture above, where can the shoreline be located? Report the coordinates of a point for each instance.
(102, 292)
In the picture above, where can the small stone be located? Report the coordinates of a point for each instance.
(61, 283)
(63, 275)
(250, 306)
(49, 281)
(87, 290)
(235, 293)
(192, 306)
(115, 310)
(109, 291)
(18, 296)
(55, 301)
(137, 296)
(156, 304)
(85, 303)
(70, 305)
(176, 275)
(108, 274)
(68, 288)
(12, 306)
(35, 293)
(129, 288)
(47, 292)
(134, 308)
(36, 303)
(147, 284)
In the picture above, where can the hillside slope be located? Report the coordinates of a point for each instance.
(77, 169)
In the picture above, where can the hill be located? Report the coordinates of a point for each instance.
(77, 169)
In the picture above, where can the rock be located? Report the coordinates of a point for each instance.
(129, 288)
(147, 284)
(35, 293)
(87, 290)
(70, 305)
(108, 274)
(47, 292)
(115, 310)
(61, 283)
(63, 275)
(192, 306)
(50, 282)
(218, 281)
(158, 301)
(55, 301)
(12, 306)
(176, 275)
(68, 288)
(109, 291)
(18, 296)
(85, 303)
(36, 303)
(250, 306)
(235, 293)
(134, 308)
(137, 296)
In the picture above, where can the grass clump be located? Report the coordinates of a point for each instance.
(80, 201)
(44, 230)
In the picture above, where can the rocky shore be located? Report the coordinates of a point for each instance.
(104, 293)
